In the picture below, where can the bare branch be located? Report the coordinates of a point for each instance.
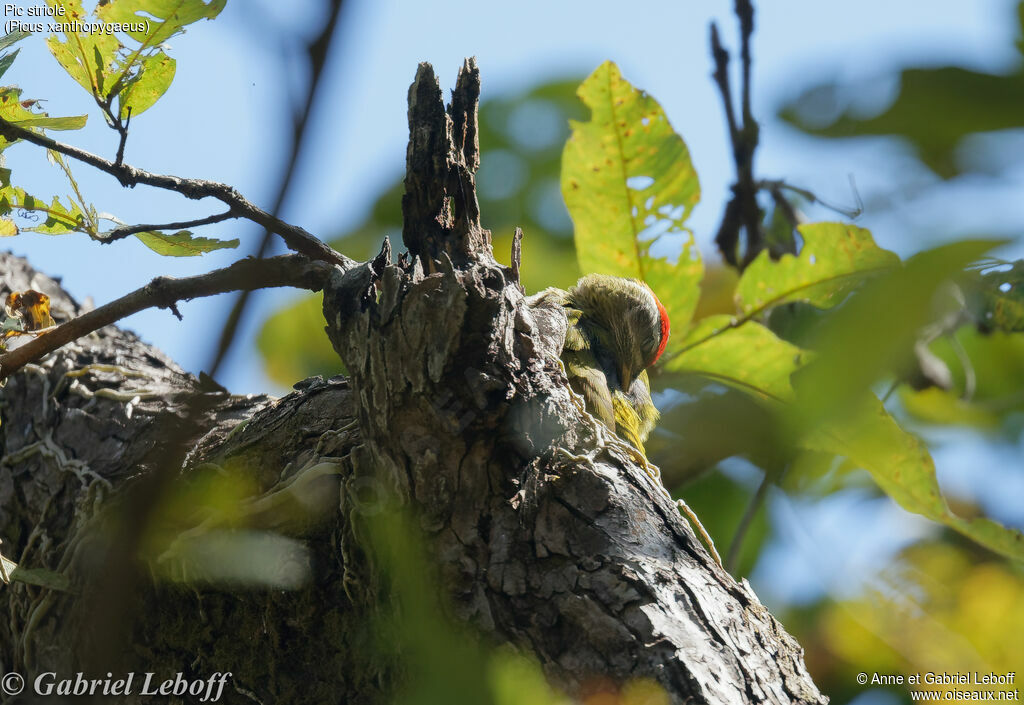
(742, 210)
(295, 237)
(164, 292)
(745, 12)
(124, 231)
(721, 76)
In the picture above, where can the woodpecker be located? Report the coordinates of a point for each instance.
(617, 329)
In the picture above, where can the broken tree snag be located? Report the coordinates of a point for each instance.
(545, 531)
(440, 210)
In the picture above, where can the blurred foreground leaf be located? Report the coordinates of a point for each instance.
(873, 335)
(236, 557)
(935, 110)
(937, 609)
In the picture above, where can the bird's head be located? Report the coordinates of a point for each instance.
(631, 316)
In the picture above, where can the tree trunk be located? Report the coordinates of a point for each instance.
(545, 531)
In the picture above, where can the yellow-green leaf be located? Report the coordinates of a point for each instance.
(901, 466)
(7, 227)
(748, 357)
(59, 219)
(71, 122)
(163, 18)
(835, 257)
(181, 243)
(628, 181)
(154, 78)
(91, 58)
(14, 111)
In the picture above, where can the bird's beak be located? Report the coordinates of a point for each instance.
(625, 377)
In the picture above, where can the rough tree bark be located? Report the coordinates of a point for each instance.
(546, 532)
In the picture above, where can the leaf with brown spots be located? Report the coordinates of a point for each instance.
(628, 182)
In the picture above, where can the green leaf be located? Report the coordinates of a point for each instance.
(11, 38)
(628, 181)
(748, 357)
(17, 112)
(59, 219)
(834, 259)
(6, 60)
(996, 299)
(171, 16)
(182, 244)
(72, 122)
(901, 466)
(7, 228)
(102, 65)
(154, 78)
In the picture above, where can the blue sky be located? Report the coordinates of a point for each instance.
(222, 120)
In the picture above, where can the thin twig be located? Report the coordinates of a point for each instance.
(748, 517)
(317, 52)
(124, 231)
(164, 292)
(721, 76)
(122, 130)
(745, 12)
(295, 237)
(852, 213)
